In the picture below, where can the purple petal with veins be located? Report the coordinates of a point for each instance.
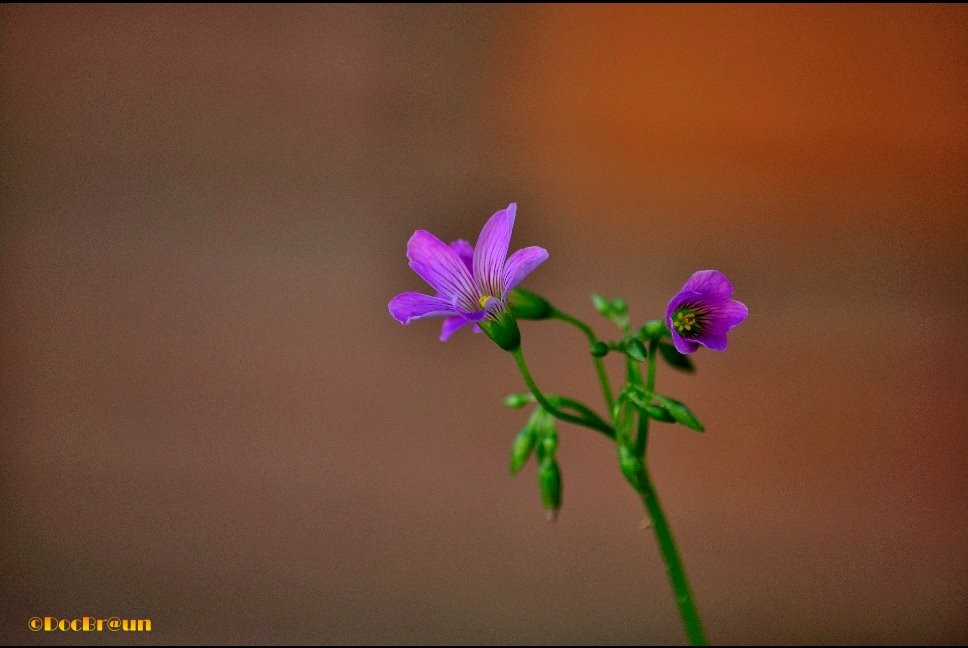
(471, 283)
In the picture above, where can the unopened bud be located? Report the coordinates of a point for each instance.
(517, 401)
(549, 480)
(521, 448)
(529, 306)
(652, 330)
(632, 467)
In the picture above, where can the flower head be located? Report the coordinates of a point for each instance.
(472, 283)
(703, 312)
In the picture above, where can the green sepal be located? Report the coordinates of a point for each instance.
(528, 305)
(680, 413)
(675, 359)
(501, 327)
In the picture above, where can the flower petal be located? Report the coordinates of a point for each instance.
(465, 251)
(520, 265)
(682, 344)
(409, 306)
(686, 297)
(492, 250)
(441, 267)
(451, 325)
(723, 317)
(711, 284)
(711, 340)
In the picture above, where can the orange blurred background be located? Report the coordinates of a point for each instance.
(209, 419)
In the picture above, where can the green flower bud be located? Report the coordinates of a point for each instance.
(652, 330)
(549, 442)
(522, 447)
(602, 305)
(632, 467)
(549, 480)
(517, 401)
(599, 349)
(529, 306)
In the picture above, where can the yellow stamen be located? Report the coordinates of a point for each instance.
(483, 300)
(684, 321)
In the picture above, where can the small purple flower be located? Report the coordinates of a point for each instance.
(702, 312)
(471, 283)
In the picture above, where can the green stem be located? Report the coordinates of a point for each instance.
(643, 434)
(594, 423)
(660, 525)
(650, 380)
(677, 574)
(599, 365)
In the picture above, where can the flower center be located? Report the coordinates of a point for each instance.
(482, 302)
(685, 320)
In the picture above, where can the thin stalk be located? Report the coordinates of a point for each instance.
(599, 365)
(593, 423)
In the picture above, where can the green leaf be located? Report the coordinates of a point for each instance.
(658, 413)
(642, 402)
(680, 413)
(675, 359)
(635, 350)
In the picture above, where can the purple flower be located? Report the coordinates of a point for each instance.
(471, 283)
(702, 312)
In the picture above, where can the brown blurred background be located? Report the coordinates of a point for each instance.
(209, 419)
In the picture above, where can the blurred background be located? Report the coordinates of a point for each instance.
(209, 419)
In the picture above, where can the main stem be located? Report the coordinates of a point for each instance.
(663, 533)
(677, 574)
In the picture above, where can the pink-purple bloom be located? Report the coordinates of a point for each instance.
(703, 312)
(471, 283)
